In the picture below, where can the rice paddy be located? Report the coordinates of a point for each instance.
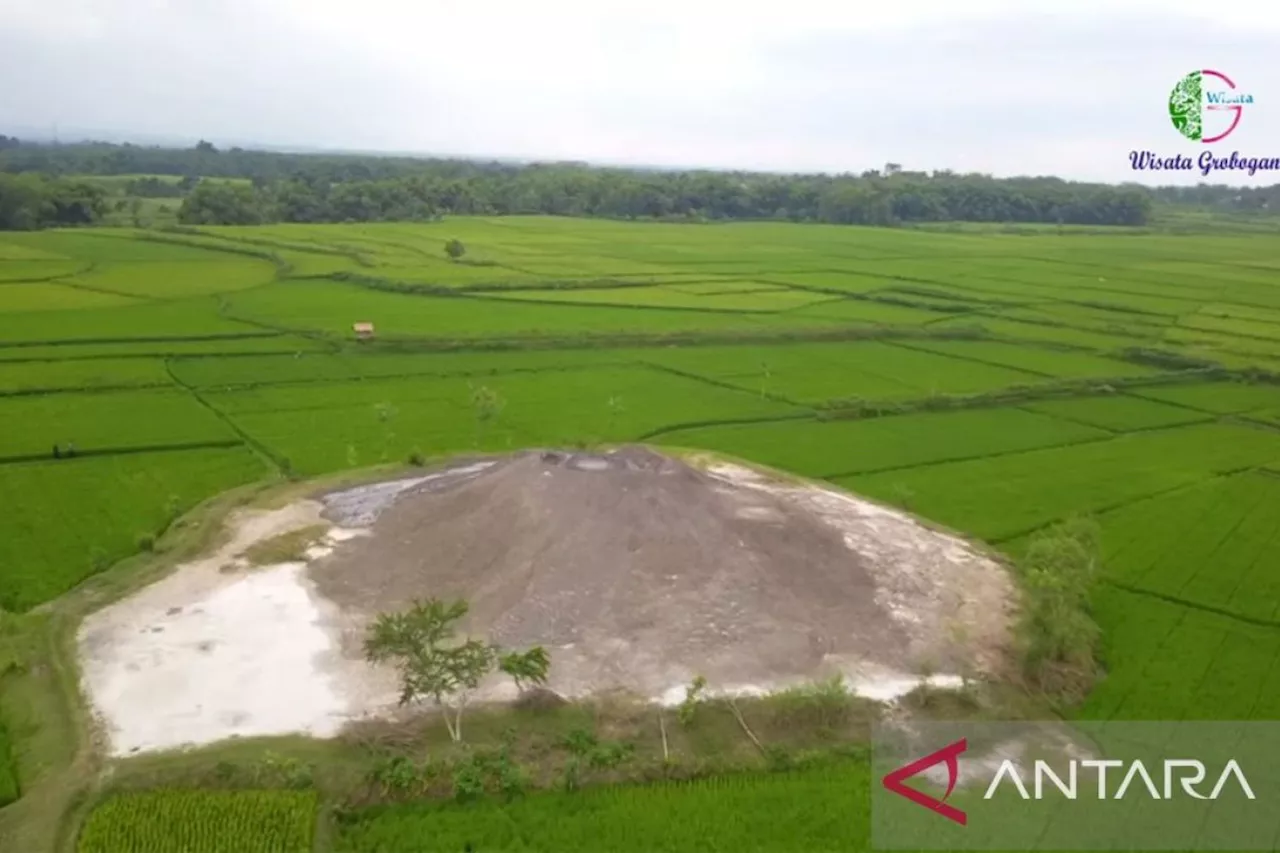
(993, 383)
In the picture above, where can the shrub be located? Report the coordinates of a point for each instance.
(1058, 635)
(9, 790)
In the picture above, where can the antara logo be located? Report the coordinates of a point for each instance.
(1137, 771)
(1188, 774)
(950, 754)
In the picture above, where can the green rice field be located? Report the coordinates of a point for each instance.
(992, 383)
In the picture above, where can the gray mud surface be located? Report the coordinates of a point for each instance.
(634, 569)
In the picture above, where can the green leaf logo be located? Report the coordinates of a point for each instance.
(1185, 108)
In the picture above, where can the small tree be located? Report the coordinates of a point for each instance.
(487, 404)
(432, 664)
(526, 667)
(615, 408)
(454, 249)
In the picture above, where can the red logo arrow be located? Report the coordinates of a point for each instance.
(949, 754)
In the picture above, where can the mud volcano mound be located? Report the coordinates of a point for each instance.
(638, 571)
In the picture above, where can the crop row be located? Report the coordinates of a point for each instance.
(168, 821)
(69, 519)
(1216, 545)
(197, 317)
(1167, 661)
(117, 419)
(324, 427)
(813, 809)
(1121, 413)
(25, 377)
(1218, 398)
(831, 448)
(1002, 497)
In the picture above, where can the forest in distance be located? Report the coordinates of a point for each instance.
(50, 185)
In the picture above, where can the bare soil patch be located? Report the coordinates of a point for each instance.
(635, 570)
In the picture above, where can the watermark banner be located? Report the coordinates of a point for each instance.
(1076, 786)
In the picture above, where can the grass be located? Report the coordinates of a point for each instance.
(102, 509)
(285, 548)
(253, 326)
(841, 448)
(1003, 497)
(81, 375)
(202, 822)
(737, 812)
(1219, 398)
(1118, 413)
(106, 420)
(188, 318)
(177, 280)
(384, 420)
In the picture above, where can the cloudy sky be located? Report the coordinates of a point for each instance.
(1066, 88)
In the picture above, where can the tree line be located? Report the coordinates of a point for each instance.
(360, 188)
(29, 201)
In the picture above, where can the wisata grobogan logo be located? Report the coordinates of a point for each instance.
(1206, 105)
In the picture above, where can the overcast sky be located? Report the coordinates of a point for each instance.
(1066, 88)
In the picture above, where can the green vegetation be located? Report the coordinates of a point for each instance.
(1059, 636)
(105, 504)
(285, 548)
(1006, 496)
(996, 381)
(202, 822)
(739, 812)
(815, 448)
(1119, 413)
(9, 788)
(313, 188)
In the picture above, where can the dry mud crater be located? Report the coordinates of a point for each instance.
(635, 570)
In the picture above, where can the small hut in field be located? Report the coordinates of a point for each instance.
(364, 331)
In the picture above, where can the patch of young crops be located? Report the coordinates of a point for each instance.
(1221, 398)
(81, 374)
(35, 270)
(849, 282)
(819, 809)
(66, 520)
(658, 296)
(1004, 496)
(866, 312)
(1216, 545)
(177, 280)
(323, 427)
(827, 448)
(1120, 413)
(48, 297)
(107, 244)
(111, 419)
(1167, 661)
(821, 372)
(1058, 363)
(711, 288)
(188, 318)
(257, 344)
(11, 252)
(202, 822)
(1038, 329)
(1231, 326)
(286, 368)
(333, 307)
